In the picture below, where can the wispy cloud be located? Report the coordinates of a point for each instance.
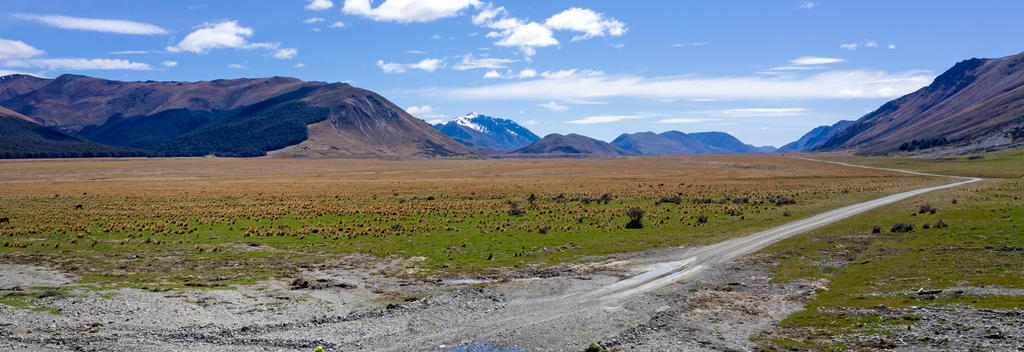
(849, 46)
(814, 60)
(824, 85)
(553, 106)
(469, 63)
(763, 112)
(80, 64)
(429, 65)
(94, 24)
(589, 120)
(679, 45)
(16, 49)
(686, 120)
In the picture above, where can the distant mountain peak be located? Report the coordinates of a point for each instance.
(487, 134)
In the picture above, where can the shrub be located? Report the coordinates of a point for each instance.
(927, 209)
(876, 229)
(544, 229)
(783, 201)
(902, 227)
(514, 209)
(636, 218)
(702, 219)
(786, 213)
(941, 224)
(673, 200)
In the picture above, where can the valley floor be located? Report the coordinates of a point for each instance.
(209, 275)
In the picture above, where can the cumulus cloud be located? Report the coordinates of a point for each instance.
(416, 110)
(80, 64)
(527, 73)
(94, 24)
(813, 60)
(226, 35)
(824, 85)
(586, 21)
(429, 65)
(469, 62)
(16, 49)
(553, 106)
(286, 53)
(317, 5)
(528, 37)
(337, 24)
(169, 63)
(405, 11)
(492, 74)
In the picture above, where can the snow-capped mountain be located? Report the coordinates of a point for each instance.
(487, 134)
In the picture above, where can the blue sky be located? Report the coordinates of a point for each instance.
(765, 71)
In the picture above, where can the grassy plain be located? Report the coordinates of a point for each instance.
(982, 247)
(213, 222)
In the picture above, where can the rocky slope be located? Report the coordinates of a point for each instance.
(240, 117)
(816, 137)
(976, 104)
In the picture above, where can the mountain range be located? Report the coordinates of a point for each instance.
(977, 105)
(278, 116)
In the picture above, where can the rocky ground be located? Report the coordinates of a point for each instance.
(351, 308)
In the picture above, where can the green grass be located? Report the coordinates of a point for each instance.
(144, 243)
(865, 270)
(1006, 164)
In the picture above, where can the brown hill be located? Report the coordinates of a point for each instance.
(239, 117)
(571, 145)
(977, 104)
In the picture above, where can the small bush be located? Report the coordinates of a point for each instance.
(636, 218)
(902, 227)
(514, 209)
(673, 200)
(941, 224)
(702, 219)
(786, 213)
(876, 229)
(927, 209)
(783, 201)
(544, 229)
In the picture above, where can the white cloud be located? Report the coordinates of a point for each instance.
(527, 73)
(416, 110)
(169, 63)
(530, 122)
(807, 5)
(871, 44)
(553, 106)
(589, 120)
(469, 62)
(686, 120)
(286, 53)
(337, 24)
(317, 5)
(586, 21)
(492, 74)
(849, 46)
(94, 24)
(313, 20)
(226, 35)
(892, 46)
(527, 38)
(237, 66)
(813, 60)
(80, 64)
(16, 49)
(824, 85)
(299, 65)
(488, 14)
(429, 65)
(415, 52)
(585, 102)
(678, 45)
(558, 74)
(405, 11)
(763, 112)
